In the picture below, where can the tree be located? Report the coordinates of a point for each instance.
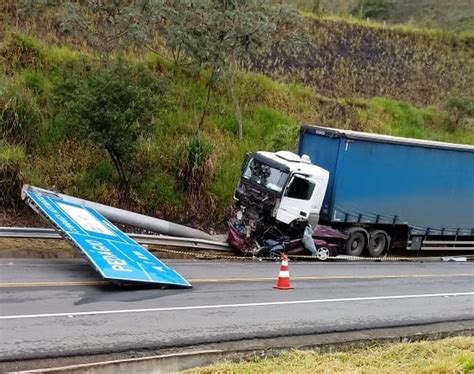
(104, 25)
(212, 35)
(460, 108)
(376, 9)
(219, 35)
(113, 108)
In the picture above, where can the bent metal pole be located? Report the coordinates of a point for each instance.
(126, 217)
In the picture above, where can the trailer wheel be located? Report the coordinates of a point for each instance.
(378, 243)
(356, 243)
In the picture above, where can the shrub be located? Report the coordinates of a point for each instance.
(392, 117)
(20, 117)
(196, 173)
(12, 161)
(35, 81)
(113, 108)
(460, 109)
(160, 196)
(376, 9)
(20, 52)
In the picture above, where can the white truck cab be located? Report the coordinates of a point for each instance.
(297, 185)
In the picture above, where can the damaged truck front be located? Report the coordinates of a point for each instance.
(277, 199)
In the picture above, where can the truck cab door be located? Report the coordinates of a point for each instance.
(297, 200)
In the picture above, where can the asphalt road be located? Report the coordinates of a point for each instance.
(56, 308)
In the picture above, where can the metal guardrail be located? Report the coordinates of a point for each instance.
(189, 243)
(170, 241)
(28, 233)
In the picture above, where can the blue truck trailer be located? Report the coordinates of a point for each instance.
(418, 194)
(358, 192)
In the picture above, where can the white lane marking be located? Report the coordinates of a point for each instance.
(226, 306)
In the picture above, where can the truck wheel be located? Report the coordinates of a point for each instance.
(378, 243)
(356, 243)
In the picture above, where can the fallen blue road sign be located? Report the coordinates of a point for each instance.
(113, 254)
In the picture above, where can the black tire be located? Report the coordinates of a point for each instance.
(356, 243)
(378, 243)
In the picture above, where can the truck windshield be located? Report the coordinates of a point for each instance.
(265, 175)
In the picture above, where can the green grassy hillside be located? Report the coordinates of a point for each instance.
(356, 76)
(455, 15)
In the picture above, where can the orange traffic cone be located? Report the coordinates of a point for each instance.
(283, 281)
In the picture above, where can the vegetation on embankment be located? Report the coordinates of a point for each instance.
(358, 76)
(453, 15)
(451, 355)
(352, 58)
(39, 146)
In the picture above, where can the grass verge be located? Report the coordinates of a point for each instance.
(451, 355)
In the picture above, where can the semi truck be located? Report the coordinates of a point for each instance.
(360, 193)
